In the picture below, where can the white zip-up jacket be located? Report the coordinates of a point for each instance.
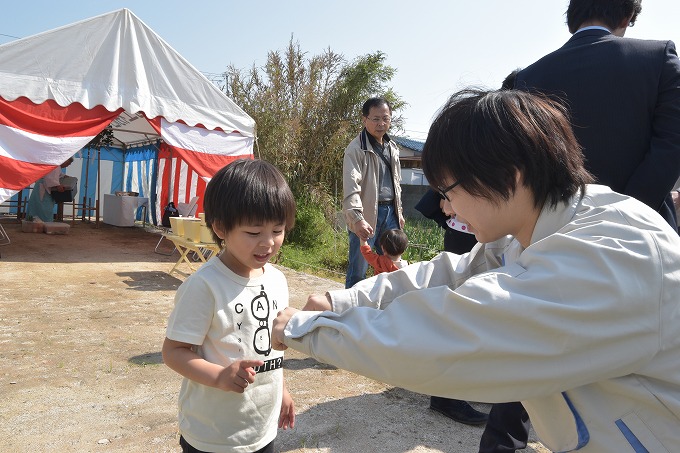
(582, 326)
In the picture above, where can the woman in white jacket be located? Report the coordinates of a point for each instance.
(569, 304)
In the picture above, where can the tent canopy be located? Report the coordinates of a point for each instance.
(116, 61)
(109, 69)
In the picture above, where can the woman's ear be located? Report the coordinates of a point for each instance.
(519, 180)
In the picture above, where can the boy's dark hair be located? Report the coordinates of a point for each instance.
(609, 12)
(374, 102)
(246, 191)
(393, 242)
(482, 138)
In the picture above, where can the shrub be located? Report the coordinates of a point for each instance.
(310, 228)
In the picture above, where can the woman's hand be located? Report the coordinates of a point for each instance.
(278, 327)
(318, 302)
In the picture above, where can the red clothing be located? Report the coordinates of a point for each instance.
(380, 263)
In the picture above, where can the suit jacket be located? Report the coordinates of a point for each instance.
(624, 98)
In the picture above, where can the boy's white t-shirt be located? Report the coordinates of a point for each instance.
(230, 318)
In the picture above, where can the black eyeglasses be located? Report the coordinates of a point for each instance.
(384, 119)
(443, 192)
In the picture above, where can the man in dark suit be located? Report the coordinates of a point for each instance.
(455, 242)
(624, 98)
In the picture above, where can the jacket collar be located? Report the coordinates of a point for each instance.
(589, 34)
(552, 220)
(365, 138)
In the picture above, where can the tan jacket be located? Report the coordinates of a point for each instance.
(360, 169)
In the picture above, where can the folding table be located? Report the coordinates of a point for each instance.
(121, 210)
(204, 250)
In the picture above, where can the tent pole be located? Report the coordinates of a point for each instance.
(99, 182)
(87, 172)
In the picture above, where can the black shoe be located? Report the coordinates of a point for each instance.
(458, 410)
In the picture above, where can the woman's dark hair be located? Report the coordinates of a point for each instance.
(482, 138)
(509, 80)
(374, 102)
(609, 12)
(393, 242)
(248, 191)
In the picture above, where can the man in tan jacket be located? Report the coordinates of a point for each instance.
(370, 182)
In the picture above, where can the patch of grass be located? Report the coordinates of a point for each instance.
(310, 441)
(316, 247)
(425, 239)
(326, 259)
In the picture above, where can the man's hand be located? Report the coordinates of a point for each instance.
(318, 302)
(363, 230)
(277, 328)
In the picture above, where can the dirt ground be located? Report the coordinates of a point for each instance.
(82, 319)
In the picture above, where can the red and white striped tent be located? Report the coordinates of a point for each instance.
(60, 88)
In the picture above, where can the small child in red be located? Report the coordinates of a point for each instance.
(393, 244)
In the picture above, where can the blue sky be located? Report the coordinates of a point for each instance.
(437, 47)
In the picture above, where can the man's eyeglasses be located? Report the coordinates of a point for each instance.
(384, 119)
(444, 191)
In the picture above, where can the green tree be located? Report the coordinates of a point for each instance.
(307, 109)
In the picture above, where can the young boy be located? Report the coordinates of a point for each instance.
(219, 333)
(393, 244)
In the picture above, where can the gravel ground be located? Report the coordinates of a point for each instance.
(82, 319)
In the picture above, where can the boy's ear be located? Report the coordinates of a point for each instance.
(219, 231)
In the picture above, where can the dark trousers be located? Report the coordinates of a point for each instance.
(186, 448)
(506, 430)
(667, 211)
